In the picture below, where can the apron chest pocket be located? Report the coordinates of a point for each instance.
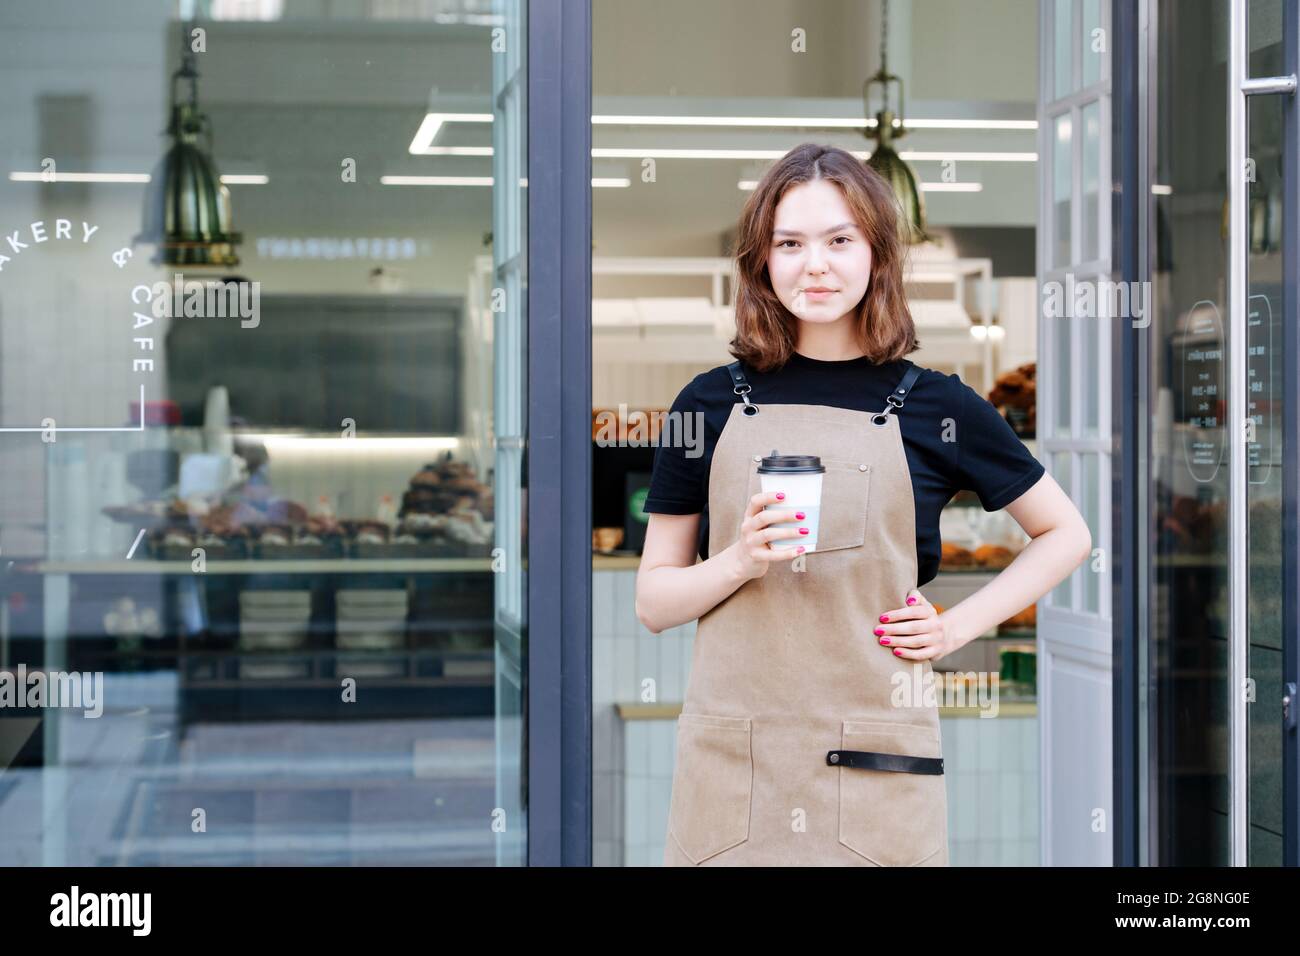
(843, 519)
(712, 783)
(893, 818)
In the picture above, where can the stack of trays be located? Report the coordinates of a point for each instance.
(273, 620)
(371, 619)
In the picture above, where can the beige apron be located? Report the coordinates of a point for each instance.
(803, 740)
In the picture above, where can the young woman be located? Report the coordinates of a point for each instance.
(806, 736)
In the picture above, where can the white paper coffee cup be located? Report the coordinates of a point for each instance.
(800, 477)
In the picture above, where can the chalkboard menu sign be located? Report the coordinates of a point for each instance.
(1260, 402)
(1198, 351)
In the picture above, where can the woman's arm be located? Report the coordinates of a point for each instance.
(671, 588)
(1060, 541)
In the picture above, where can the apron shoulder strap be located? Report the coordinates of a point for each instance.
(741, 387)
(896, 398)
(737, 375)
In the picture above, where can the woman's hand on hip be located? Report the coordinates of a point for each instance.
(753, 554)
(915, 632)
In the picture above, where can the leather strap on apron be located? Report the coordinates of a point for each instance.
(872, 760)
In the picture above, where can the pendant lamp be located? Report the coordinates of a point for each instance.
(188, 213)
(884, 159)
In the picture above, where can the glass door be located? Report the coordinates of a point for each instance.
(1218, 176)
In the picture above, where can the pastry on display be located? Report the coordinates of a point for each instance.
(993, 556)
(1025, 620)
(445, 510)
(955, 556)
(1015, 395)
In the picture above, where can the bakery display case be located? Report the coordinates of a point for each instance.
(199, 553)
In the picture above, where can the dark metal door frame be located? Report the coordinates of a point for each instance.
(558, 511)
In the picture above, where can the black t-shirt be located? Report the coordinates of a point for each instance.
(981, 452)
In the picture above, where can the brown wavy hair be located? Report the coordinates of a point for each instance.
(766, 331)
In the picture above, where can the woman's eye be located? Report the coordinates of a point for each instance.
(838, 238)
(783, 242)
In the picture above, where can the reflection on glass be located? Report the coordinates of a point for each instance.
(1189, 574)
(1092, 331)
(1091, 146)
(1063, 593)
(1090, 576)
(257, 504)
(1264, 317)
(1063, 47)
(1093, 42)
(1063, 331)
(1062, 206)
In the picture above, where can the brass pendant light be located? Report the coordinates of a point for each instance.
(884, 159)
(189, 211)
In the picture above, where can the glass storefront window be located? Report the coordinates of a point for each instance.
(261, 433)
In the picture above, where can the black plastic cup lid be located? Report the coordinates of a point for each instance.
(790, 464)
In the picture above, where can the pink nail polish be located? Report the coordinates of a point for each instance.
(799, 550)
(911, 600)
(798, 515)
(879, 631)
(884, 619)
(803, 530)
(884, 640)
(897, 652)
(780, 495)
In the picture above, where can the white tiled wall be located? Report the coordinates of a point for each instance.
(991, 764)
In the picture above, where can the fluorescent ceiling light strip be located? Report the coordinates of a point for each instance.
(807, 122)
(433, 122)
(601, 182)
(613, 152)
(298, 442)
(454, 151)
(616, 152)
(436, 180)
(941, 155)
(59, 177)
(239, 179)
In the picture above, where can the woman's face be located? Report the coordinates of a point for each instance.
(817, 245)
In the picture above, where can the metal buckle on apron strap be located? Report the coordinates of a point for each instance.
(741, 387)
(894, 400)
(872, 760)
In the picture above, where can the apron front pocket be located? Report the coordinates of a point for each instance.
(843, 519)
(844, 504)
(712, 784)
(892, 817)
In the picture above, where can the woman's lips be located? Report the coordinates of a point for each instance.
(818, 293)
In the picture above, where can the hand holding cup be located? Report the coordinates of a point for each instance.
(763, 524)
